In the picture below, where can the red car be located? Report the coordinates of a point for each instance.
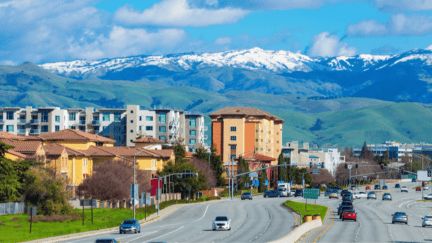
(368, 188)
(418, 188)
(349, 215)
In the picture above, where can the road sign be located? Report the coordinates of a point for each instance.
(136, 202)
(422, 175)
(87, 202)
(246, 184)
(266, 182)
(29, 208)
(253, 175)
(134, 191)
(311, 193)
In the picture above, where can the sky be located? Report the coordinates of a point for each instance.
(42, 31)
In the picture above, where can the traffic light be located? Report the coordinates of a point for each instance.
(402, 169)
(382, 166)
(322, 166)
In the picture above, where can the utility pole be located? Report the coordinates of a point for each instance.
(229, 175)
(232, 179)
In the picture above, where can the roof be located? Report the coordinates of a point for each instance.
(10, 135)
(74, 152)
(54, 149)
(128, 152)
(72, 134)
(244, 111)
(22, 147)
(258, 157)
(313, 156)
(188, 154)
(148, 140)
(23, 156)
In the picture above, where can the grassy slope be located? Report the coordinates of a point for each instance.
(301, 208)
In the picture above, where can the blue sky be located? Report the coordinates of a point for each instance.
(63, 30)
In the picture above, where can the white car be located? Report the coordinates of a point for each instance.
(356, 195)
(425, 188)
(221, 223)
(428, 197)
(361, 195)
(427, 221)
(404, 189)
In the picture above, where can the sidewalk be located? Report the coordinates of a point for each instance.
(150, 219)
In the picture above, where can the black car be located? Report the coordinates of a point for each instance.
(343, 192)
(298, 193)
(385, 188)
(397, 186)
(246, 195)
(343, 207)
(272, 193)
(377, 187)
(347, 198)
(105, 241)
(347, 203)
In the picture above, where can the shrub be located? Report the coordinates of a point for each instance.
(14, 219)
(17, 226)
(2, 224)
(56, 218)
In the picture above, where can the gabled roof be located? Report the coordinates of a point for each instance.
(127, 152)
(72, 134)
(54, 149)
(257, 157)
(148, 140)
(22, 147)
(11, 136)
(20, 155)
(244, 111)
(74, 152)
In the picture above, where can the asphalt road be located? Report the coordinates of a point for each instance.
(257, 220)
(374, 221)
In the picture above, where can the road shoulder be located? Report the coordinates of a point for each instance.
(312, 235)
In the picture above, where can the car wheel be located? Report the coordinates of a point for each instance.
(423, 226)
(406, 223)
(392, 222)
(343, 219)
(120, 232)
(229, 229)
(136, 231)
(214, 229)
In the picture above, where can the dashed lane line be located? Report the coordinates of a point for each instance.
(327, 227)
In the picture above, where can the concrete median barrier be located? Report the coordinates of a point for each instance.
(294, 235)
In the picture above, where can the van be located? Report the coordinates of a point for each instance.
(284, 189)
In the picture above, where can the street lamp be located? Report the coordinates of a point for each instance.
(133, 196)
(232, 171)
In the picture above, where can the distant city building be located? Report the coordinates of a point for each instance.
(397, 150)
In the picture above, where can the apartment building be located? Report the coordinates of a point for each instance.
(243, 130)
(298, 156)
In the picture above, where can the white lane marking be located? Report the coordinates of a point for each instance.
(166, 234)
(404, 203)
(203, 215)
(137, 237)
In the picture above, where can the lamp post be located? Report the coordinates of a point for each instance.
(232, 171)
(133, 196)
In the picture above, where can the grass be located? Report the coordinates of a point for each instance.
(300, 209)
(15, 228)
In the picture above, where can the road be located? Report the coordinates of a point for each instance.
(374, 221)
(257, 220)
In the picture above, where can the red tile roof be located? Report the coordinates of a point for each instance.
(20, 155)
(188, 154)
(127, 152)
(148, 140)
(72, 134)
(11, 136)
(22, 147)
(257, 157)
(54, 149)
(244, 111)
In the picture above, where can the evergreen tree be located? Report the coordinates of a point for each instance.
(290, 171)
(216, 162)
(242, 167)
(202, 154)
(282, 172)
(364, 152)
(180, 153)
(263, 177)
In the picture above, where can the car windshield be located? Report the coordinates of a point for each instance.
(335, 191)
(221, 219)
(370, 193)
(399, 214)
(129, 221)
(104, 241)
(282, 189)
(349, 211)
(404, 187)
(299, 190)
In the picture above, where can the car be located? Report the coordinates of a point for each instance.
(221, 223)
(105, 241)
(354, 188)
(418, 189)
(397, 186)
(333, 195)
(349, 214)
(347, 198)
(428, 197)
(367, 188)
(272, 193)
(386, 196)
(361, 194)
(298, 193)
(377, 187)
(246, 195)
(292, 193)
(342, 208)
(356, 195)
(404, 189)
(425, 188)
(199, 194)
(385, 187)
(346, 203)
(371, 195)
(414, 180)
(343, 192)
(326, 193)
(130, 225)
(427, 220)
(400, 217)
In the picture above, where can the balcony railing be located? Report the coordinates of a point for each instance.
(205, 128)
(81, 122)
(1, 121)
(34, 131)
(96, 122)
(34, 121)
(21, 131)
(205, 137)
(21, 121)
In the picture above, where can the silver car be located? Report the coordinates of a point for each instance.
(386, 196)
(427, 221)
(371, 195)
(221, 223)
(400, 217)
(404, 189)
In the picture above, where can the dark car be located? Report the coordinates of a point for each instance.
(105, 241)
(272, 193)
(414, 180)
(343, 192)
(385, 188)
(347, 203)
(335, 188)
(326, 193)
(397, 186)
(347, 198)
(342, 208)
(377, 187)
(130, 225)
(246, 195)
(298, 193)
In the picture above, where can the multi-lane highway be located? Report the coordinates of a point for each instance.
(374, 221)
(258, 220)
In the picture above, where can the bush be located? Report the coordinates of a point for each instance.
(17, 226)
(56, 218)
(14, 219)
(2, 224)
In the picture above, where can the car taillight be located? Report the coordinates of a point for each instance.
(351, 205)
(404, 217)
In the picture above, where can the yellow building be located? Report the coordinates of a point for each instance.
(31, 150)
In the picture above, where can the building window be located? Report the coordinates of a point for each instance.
(140, 118)
(162, 129)
(10, 115)
(233, 138)
(149, 118)
(22, 117)
(131, 131)
(233, 147)
(106, 117)
(162, 117)
(131, 111)
(162, 138)
(192, 133)
(1, 116)
(131, 121)
(57, 118)
(139, 128)
(57, 128)
(10, 128)
(192, 122)
(149, 128)
(117, 116)
(44, 128)
(192, 141)
(44, 116)
(72, 116)
(233, 129)
(192, 150)
(96, 128)
(85, 162)
(82, 128)
(1, 128)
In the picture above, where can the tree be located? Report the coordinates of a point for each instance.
(111, 181)
(282, 172)
(262, 178)
(242, 167)
(204, 167)
(180, 153)
(324, 177)
(216, 163)
(202, 154)
(298, 176)
(290, 172)
(366, 153)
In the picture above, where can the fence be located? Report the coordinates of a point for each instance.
(11, 208)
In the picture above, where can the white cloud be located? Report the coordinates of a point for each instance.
(429, 48)
(178, 13)
(277, 4)
(398, 24)
(326, 45)
(223, 40)
(402, 5)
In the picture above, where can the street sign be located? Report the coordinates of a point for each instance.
(311, 193)
(87, 202)
(246, 184)
(253, 175)
(422, 175)
(29, 208)
(266, 182)
(136, 202)
(134, 191)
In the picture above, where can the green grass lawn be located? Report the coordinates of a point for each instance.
(18, 230)
(300, 208)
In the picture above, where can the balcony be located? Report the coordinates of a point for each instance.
(96, 122)
(21, 131)
(22, 121)
(172, 132)
(34, 131)
(205, 137)
(34, 121)
(205, 128)
(82, 122)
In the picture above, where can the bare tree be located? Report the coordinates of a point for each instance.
(205, 167)
(111, 181)
(324, 177)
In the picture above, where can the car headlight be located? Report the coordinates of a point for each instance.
(132, 227)
(121, 227)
